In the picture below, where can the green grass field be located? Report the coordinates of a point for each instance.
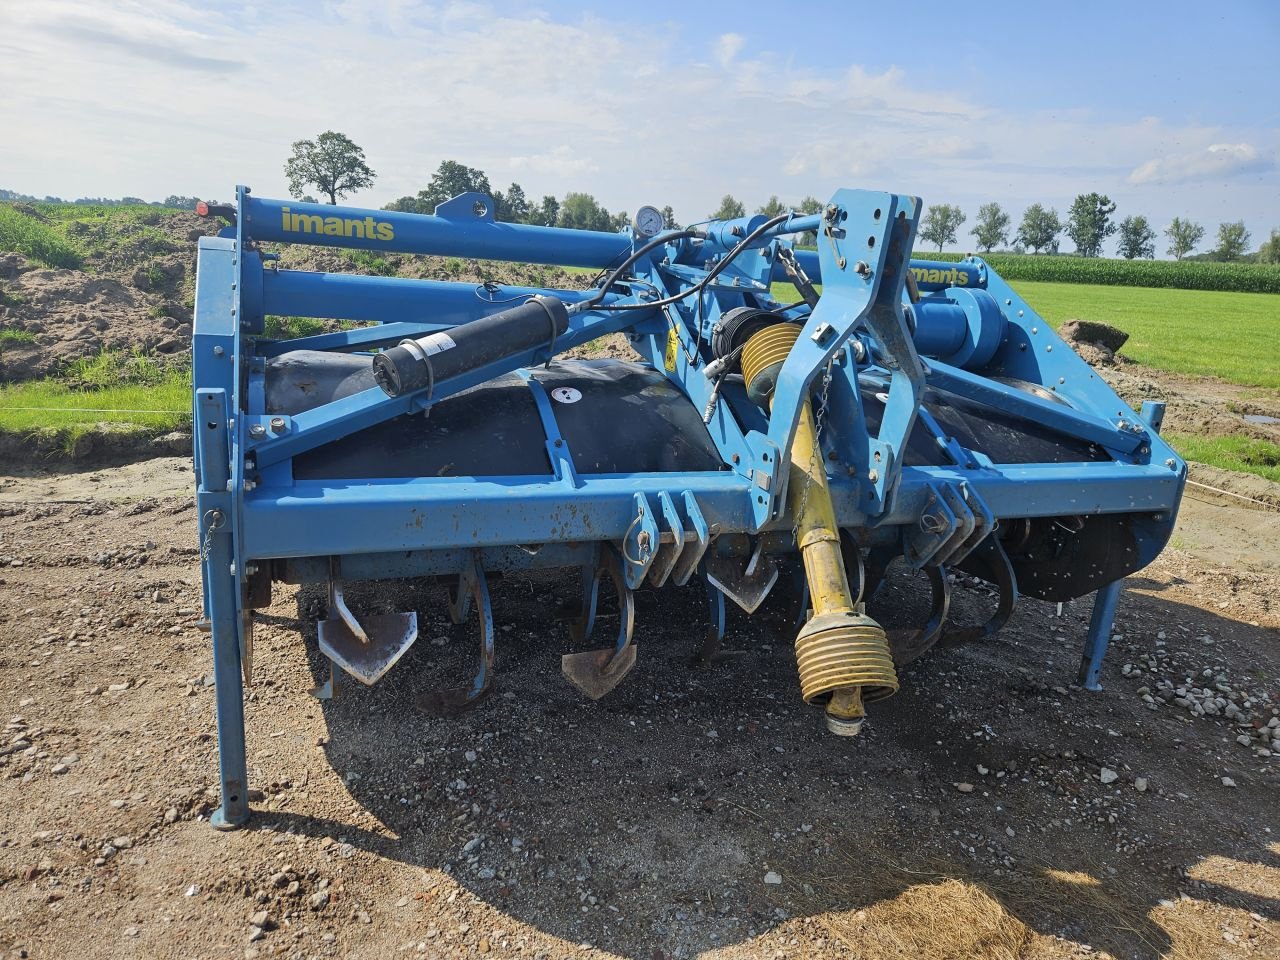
(1230, 452)
(1231, 336)
(129, 392)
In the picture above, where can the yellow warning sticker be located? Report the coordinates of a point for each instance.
(673, 344)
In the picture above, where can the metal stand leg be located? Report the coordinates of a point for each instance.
(222, 603)
(1095, 645)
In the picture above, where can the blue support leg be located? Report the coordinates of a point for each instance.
(234, 811)
(222, 596)
(1095, 645)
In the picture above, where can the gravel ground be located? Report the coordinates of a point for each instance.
(991, 809)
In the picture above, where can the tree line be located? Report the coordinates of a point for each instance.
(334, 165)
(1088, 223)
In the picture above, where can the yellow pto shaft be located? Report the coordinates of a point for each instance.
(839, 651)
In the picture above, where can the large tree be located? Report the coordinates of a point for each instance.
(1137, 239)
(1089, 223)
(940, 224)
(546, 213)
(1269, 252)
(992, 227)
(730, 209)
(1039, 229)
(772, 207)
(1233, 241)
(450, 179)
(331, 163)
(580, 211)
(1183, 236)
(669, 218)
(512, 205)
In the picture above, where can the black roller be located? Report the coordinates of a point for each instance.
(735, 327)
(418, 364)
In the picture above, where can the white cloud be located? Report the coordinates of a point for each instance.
(728, 45)
(1216, 160)
(563, 161)
(152, 97)
(956, 147)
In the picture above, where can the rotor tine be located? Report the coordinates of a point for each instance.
(715, 626)
(451, 701)
(999, 571)
(581, 628)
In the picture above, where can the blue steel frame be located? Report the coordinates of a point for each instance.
(253, 510)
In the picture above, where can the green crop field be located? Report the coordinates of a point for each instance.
(1103, 271)
(1232, 336)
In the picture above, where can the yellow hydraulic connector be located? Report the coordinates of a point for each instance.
(840, 650)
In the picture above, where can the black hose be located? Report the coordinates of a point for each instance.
(715, 272)
(636, 255)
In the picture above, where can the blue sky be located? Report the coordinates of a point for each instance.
(1169, 108)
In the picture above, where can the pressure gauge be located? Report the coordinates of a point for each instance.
(648, 222)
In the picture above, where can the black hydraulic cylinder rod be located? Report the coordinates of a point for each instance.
(419, 364)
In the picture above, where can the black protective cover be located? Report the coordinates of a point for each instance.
(626, 419)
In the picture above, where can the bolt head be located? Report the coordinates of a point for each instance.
(277, 424)
(873, 476)
(257, 430)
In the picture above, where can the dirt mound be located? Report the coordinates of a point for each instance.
(1097, 343)
(71, 315)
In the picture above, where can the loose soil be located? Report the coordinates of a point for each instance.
(971, 818)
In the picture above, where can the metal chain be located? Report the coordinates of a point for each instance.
(213, 520)
(818, 418)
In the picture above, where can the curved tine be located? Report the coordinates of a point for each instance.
(715, 627)
(907, 645)
(480, 595)
(854, 567)
(878, 561)
(451, 701)
(338, 602)
(580, 629)
(460, 602)
(1000, 573)
(344, 612)
(626, 603)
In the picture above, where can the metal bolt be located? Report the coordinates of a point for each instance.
(249, 485)
(277, 424)
(862, 269)
(218, 351)
(873, 476)
(1171, 463)
(257, 430)
(841, 263)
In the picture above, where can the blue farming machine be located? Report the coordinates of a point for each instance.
(905, 411)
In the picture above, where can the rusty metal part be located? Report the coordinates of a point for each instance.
(597, 672)
(473, 589)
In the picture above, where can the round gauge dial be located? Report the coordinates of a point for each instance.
(648, 221)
